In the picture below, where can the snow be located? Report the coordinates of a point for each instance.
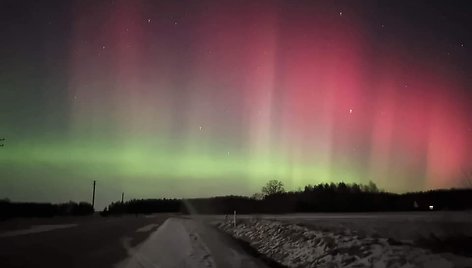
(37, 229)
(147, 228)
(186, 242)
(302, 240)
(407, 227)
(293, 245)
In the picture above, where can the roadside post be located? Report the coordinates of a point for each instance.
(234, 219)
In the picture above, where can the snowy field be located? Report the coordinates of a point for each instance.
(403, 226)
(419, 239)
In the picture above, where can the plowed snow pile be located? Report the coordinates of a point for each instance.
(297, 246)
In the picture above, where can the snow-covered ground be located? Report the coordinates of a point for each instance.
(329, 245)
(409, 227)
(181, 242)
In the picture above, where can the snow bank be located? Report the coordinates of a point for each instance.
(180, 242)
(297, 246)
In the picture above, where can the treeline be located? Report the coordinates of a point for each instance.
(340, 197)
(333, 197)
(143, 206)
(343, 197)
(24, 209)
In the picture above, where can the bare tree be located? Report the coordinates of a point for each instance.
(258, 196)
(273, 187)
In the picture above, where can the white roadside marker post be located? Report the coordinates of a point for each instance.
(234, 219)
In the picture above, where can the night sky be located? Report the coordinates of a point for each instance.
(204, 98)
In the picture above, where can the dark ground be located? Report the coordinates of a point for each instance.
(94, 242)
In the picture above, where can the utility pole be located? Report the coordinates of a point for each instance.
(122, 197)
(93, 195)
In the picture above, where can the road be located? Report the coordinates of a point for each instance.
(73, 242)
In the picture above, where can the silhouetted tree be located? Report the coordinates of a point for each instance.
(258, 196)
(371, 187)
(273, 187)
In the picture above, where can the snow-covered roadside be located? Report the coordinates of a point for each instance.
(297, 246)
(181, 242)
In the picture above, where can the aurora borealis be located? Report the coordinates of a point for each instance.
(204, 98)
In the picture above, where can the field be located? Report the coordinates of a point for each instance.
(387, 239)
(408, 227)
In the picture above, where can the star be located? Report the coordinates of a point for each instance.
(149, 20)
(350, 111)
(103, 47)
(340, 13)
(176, 22)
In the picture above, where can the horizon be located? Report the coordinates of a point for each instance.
(102, 204)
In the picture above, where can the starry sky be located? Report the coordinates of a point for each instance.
(204, 98)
